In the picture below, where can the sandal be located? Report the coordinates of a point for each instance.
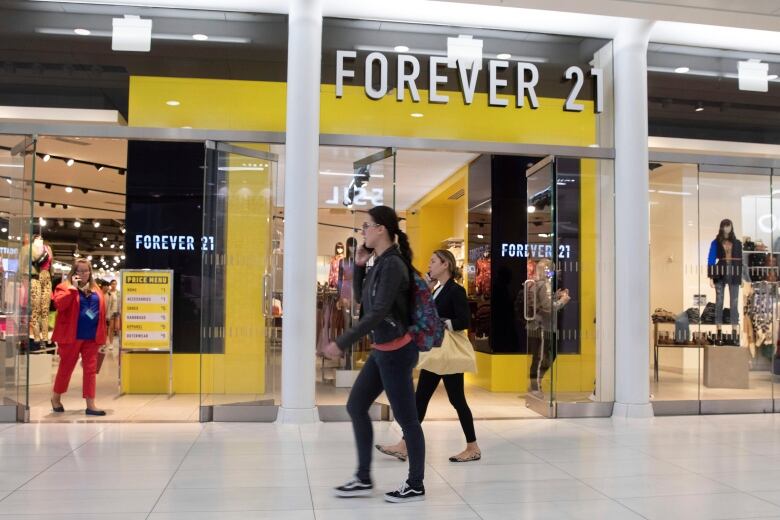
(396, 454)
(473, 457)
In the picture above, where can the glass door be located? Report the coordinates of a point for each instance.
(17, 169)
(352, 181)
(241, 303)
(541, 285)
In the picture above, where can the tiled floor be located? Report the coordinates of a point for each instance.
(592, 469)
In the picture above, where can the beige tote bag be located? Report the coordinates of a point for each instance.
(455, 356)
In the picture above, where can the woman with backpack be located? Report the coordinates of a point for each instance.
(385, 294)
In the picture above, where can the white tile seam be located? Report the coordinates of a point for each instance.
(173, 475)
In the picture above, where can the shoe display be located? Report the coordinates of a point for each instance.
(355, 488)
(406, 493)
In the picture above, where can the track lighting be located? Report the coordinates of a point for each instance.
(69, 162)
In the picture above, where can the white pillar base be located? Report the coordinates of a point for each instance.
(632, 411)
(297, 416)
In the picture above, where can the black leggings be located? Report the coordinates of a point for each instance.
(453, 383)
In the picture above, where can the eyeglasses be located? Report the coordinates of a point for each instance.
(367, 225)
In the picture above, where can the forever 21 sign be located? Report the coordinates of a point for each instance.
(408, 68)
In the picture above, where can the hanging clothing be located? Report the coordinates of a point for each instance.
(333, 273)
(759, 309)
(483, 275)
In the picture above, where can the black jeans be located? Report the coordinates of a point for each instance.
(542, 354)
(391, 372)
(453, 383)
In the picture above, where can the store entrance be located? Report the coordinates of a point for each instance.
(536, 354)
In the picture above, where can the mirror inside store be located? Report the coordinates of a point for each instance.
(714, 249)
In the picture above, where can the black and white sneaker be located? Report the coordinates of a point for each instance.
(406, 493)
(355, 488)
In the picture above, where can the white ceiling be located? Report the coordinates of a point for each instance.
(417, 172)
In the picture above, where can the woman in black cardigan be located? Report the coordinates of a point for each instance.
(453, 307)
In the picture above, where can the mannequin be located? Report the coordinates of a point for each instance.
(40, 291)
(483, 273)
(335, 262)
(724, 269)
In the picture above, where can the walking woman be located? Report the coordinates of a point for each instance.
(384, 293)
(80, 329)
(453, 307)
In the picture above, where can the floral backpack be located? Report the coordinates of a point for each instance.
(426, 329)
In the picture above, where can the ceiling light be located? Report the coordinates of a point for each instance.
(682, 70)
(75, 254)
(113, 246)
(121, 171)
(4, 230)
(504, 56)
(84, 191)
(96, 224)
(64, 206)
(41, 222)
(105, 239)
(531, 209)
(94, 266)
(172, 103)
(69, 162)
(416, 114)
(401, 48)
(46, 158)
(480, 237)
(89, 258)
(99, 167)
(47, 186)
(699, 107)
(53, 205)
(9, 181)
(200, 37)
(82, 32)
(77, 224)
(122, 229)
(122, 257)
(121, 246)
(68, 189)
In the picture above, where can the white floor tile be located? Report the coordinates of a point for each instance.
(564, 510)
(701, 507)
(656, 485)
(435, 495)
(619, 468)
(418, 510)
(526, 491)
(240, 478)
(79, 501)
(87, 479)
(234, 499)
(81, 516)
(237, 515)
(474, 472)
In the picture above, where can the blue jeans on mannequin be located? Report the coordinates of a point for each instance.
(391, 372)
(720, 288)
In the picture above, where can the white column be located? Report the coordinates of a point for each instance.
(300, 212)
(632, 221)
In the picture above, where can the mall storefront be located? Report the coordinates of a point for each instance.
(501, 146)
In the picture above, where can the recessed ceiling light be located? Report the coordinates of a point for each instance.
(504, 56)
(68, 190)
(96, 224)
(682, 70)
(200, 37)
(480, 237)
(699, 107)
(77, 224)
(4, 230)
(401, 48)
(532, 209)
(105, 239)
(417, 114)
(46, 158)
(70, 162)
(172, 103)
(82, 32)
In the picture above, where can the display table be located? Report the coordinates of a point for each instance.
(726, 367)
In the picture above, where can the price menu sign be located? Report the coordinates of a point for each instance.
(147, 309)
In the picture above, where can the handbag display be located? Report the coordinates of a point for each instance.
(455, 356)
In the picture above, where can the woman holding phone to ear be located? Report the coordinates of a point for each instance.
(80, 329)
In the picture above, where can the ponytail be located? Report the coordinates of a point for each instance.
(403, 245)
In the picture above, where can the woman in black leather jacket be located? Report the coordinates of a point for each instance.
(384, 294)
